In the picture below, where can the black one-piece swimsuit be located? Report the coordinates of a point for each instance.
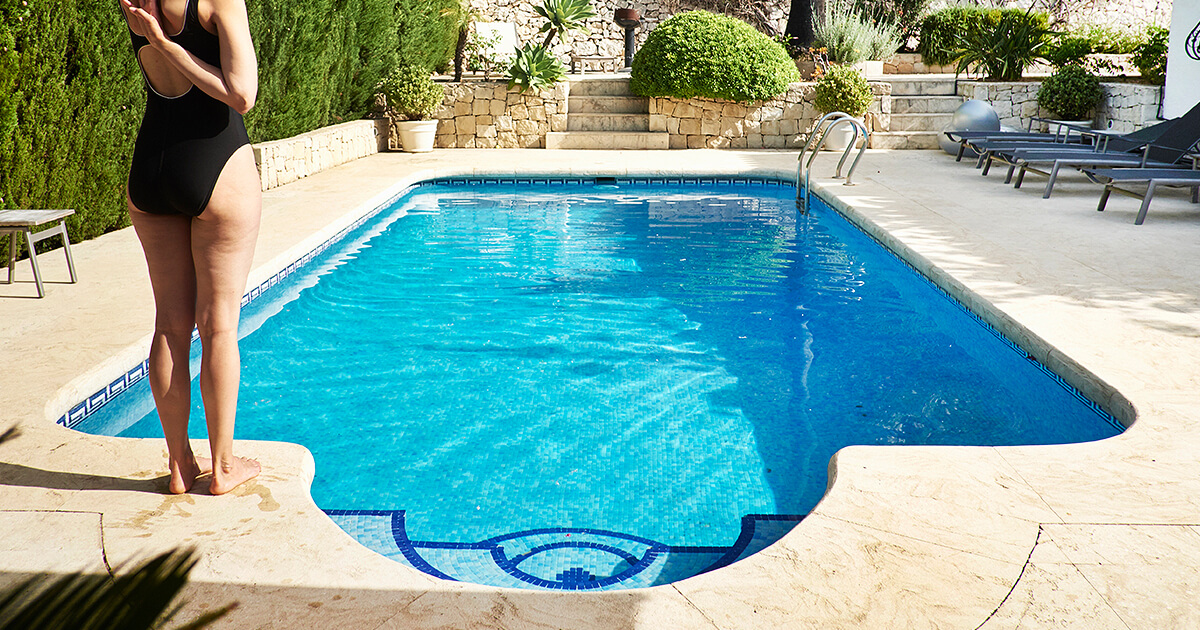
(184, 141)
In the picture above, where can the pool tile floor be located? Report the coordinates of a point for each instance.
(1098, 535)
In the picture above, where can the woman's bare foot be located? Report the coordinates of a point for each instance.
(183, 474)
(233, 473)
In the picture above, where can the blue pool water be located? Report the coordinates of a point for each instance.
(608, 386)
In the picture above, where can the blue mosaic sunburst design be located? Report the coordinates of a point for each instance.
(560, 558)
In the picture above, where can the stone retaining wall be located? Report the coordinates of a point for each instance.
(285, 161)
(487, 114)
(778, 123)
(1127, 106)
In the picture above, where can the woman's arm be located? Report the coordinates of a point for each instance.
(236, 82)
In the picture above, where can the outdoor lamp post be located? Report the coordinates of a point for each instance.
(628, 19)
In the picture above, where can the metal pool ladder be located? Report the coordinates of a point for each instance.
(803, 170)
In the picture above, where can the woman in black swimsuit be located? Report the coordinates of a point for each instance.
(195, 200)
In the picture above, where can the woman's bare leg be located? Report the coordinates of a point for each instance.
(173, 279)
(222, 246)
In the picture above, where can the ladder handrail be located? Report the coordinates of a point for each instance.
(806, 169)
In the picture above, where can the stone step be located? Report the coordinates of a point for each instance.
(918, 86)
(905, 140)
(608, 122)
(608, 104)
(925, 104)
(607, 140)
(608, 86)
(919, 122)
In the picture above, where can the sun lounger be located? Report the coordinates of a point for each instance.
(1152, 177)
(1105, 142)
(1061, 131)
(1175, 140)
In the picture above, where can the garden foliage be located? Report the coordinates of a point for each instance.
(843, 89)
(1151, 57)
(1071, 92)
(1003, 50)
(411, 93)
(73, 95)
(703, 54)
(904, 15)
(850, 37)
(942, 32)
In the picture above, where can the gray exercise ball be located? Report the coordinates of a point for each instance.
(974, 115)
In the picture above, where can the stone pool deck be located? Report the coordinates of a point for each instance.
(1098, 535)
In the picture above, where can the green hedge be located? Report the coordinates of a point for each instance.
(703, 54)
(73, 95)
(943, 32)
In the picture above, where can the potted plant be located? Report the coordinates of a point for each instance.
(412, 94)
(842, 89)
(1072, 93)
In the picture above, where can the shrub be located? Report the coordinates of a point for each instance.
(563, 16)
(410, 92)
(319, 69)
(843, 89)
(534, 68)
(1068, 50)
(939, 32)
(427, 30)
(1151, 57)
(72, 94)
(1004, 49)
(944, 33)
(703, 54)
(850, 38)
(1071, 92)
(904, 15)
(72, 98)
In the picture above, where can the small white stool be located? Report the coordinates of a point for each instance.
(14, 222)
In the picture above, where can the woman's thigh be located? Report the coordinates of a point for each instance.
(166, 241)
(223, 239)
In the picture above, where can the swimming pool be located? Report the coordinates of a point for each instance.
(609, 384)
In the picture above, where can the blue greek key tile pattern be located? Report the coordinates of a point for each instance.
(570, 559)
(97, 400)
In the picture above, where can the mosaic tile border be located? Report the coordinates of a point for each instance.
(98, 399)
(93, 403)
(491, 555)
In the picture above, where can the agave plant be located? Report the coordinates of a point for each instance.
(136, 600)
(1003, 52)
(564, 16)
(534, 68)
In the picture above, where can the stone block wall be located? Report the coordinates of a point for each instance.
(285, 161)
(1127, 106)
(782, 122)
(914, 63)
(488, 115)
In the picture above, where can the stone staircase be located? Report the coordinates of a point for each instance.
(603, 114)
(922, 106)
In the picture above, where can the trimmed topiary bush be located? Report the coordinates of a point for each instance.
(1071, 92)
(702, 54)
(411, 93)
(843, 89)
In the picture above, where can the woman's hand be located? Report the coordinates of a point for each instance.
(146, 20)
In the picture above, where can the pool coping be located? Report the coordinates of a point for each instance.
(856, 559)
